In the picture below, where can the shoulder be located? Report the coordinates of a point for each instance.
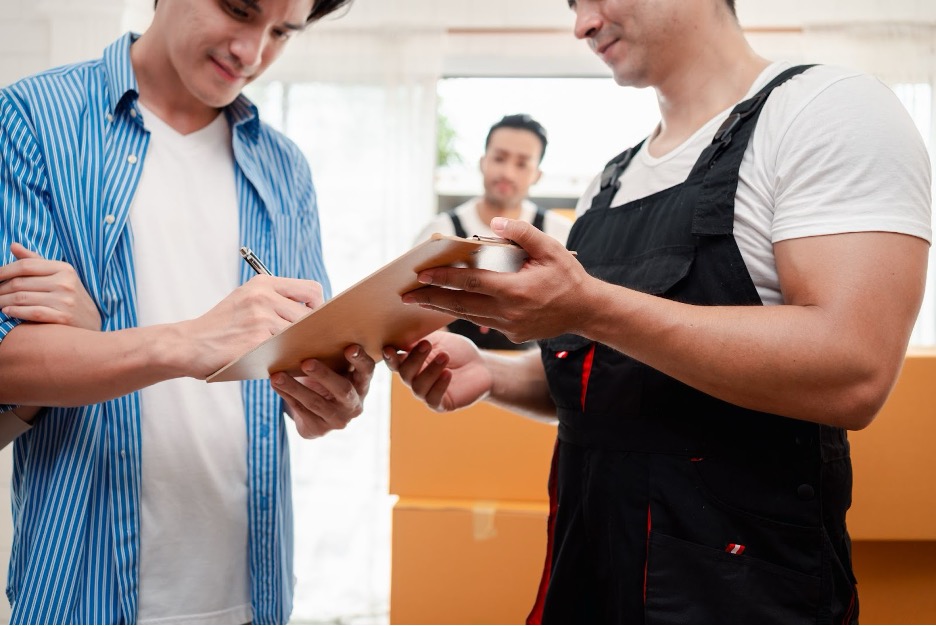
(55, 91)
(464, 210)
(838, 152)
(831, 99)
(278, 147)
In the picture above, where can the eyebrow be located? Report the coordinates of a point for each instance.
(253, 4)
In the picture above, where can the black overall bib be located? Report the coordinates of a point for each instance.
(667, 504)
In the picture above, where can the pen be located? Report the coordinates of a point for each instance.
(253, 261)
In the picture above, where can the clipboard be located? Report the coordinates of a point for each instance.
(371, 312)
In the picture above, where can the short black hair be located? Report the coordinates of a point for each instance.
(320, 8)
(731, 7)
(523, 122)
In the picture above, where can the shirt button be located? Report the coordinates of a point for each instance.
(109, 117)
(132, 159)
(109, 219)
(123, 454)
(133, 113)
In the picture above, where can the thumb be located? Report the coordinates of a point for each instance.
(21, 252)
(529, 237)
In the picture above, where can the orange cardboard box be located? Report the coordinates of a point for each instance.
(478, 453)
(460, 562)
(894, 463)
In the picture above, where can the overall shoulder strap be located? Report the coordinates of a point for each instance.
(610, 177)
(456, 222)
(715, 174)
(540, 218)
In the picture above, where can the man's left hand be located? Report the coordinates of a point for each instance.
(323, 400)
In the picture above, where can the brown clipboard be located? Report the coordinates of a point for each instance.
(371, 313)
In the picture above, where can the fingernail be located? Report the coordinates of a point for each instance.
(387, 354)
(424, 278)
(408, 299)
(278, 379)
(356, 353)
(499, 223)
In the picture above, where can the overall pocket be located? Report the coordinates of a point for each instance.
(595, 378)
(712, 558)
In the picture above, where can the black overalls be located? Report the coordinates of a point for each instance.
(668, 505)
(490, 338)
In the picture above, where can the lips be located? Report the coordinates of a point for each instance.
(226, 72)
(602, 49)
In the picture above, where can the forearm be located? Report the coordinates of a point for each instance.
(520, 384)
(798, 361)
(53, 365)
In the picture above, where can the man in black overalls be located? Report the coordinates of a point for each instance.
(702, 471)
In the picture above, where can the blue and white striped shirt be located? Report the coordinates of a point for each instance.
(71, 152)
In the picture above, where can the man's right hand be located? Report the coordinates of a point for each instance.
(36, 289)
(445, 370)
(252, 313)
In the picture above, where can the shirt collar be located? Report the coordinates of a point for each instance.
(121, 81)
(123, 89)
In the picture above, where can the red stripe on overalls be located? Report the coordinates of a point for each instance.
(850, 613)
(536, 613)
(647, 557)
(586, 372)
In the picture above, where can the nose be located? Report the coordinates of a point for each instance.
(247, 49)
(587, 20)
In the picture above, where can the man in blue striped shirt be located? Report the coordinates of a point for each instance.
(139, 495)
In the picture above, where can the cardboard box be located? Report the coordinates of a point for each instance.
(894, 463)
(459, 562)
(478, 453)
(896, 580)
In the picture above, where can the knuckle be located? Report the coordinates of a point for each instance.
(472, 283)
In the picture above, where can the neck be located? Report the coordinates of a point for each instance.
(162, 91)
(712, 80)
(488, 211)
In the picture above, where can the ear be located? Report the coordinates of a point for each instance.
(539, 174)
(481, 161)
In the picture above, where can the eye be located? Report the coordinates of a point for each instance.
(236, 10)
(281, 34)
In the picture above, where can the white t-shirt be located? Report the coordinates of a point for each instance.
(833, 152)
(554, 225)
(193, 531)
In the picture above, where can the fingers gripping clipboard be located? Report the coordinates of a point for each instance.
(371, 313)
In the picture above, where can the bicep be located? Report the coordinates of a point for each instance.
(868, 286)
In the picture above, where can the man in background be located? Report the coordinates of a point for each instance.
(513, 151)
(140, 493)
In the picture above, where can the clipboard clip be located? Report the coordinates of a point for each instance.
(494, 240)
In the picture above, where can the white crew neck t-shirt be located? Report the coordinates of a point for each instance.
(184, 219)
(825, 143)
